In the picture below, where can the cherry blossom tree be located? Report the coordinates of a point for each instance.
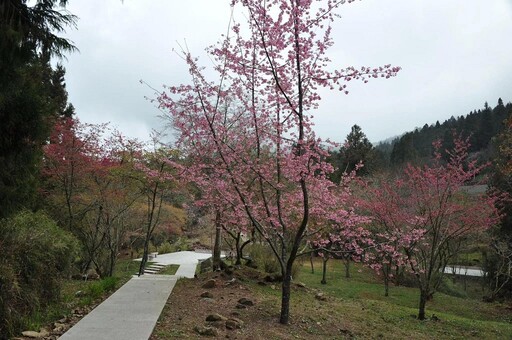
(422, 216)
(348, 238)
(119, 193)
(250, 134)
(240, 233)
(155, 181)
(71, 168)
(347, 242)
(89, 189)
(69, 158)
(393, 221)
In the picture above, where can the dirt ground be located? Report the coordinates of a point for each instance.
(243, 303)
(191, 303)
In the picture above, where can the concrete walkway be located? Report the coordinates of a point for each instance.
(132, 311)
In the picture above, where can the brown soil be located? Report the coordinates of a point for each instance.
(186, 310)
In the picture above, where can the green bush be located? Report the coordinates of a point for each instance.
(97, 289)
(449, 288)
(36, 255)
(180, 244)
(109, 283)
(166, 248)
(264, 259)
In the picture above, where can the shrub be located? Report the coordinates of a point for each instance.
(166, 248)
(109, 283)
(263, 258)
(36, 254)
(97, 289)
(449, 288)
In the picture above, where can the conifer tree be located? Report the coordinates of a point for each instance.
(31, 93)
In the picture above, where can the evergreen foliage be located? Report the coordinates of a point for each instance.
(498, 262)
(32, 94)
(356, 151)
(35, 252)
(502, 169)
(480, 125)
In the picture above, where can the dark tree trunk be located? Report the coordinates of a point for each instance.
(324, 270)
(285, 297)
(240, 256)
(311, 261)
(216, 247)
(112, 263)
(146, 246)
(386, 271)
(398, 275)
(154, 206)
(346, 262)
(423, 302)
(144, 257)
(238, 248)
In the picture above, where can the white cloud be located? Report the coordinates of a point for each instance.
(455, 56)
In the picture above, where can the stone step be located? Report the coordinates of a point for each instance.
(153, 270)
(157, 265)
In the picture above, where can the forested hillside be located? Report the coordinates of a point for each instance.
(480, 125)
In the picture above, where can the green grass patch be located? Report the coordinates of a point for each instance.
(169, 270)
(126, 268)
(361, 302)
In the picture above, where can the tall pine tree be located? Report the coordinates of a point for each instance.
(32, 94)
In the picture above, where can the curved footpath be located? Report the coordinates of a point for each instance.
(132, 311)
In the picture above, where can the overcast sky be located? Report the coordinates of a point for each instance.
(455, 55)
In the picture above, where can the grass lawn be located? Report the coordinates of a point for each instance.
(169, 270)
(362, 304)
(353, 308)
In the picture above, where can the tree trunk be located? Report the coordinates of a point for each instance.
(311, 261)
(386, 271)
(285, 297)
(324, 270)
(398, 276)
(112, 263)
(216, 247)
(144, 257)
(238, 255)
(238, 248)
(423, 302)
(346, 262)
